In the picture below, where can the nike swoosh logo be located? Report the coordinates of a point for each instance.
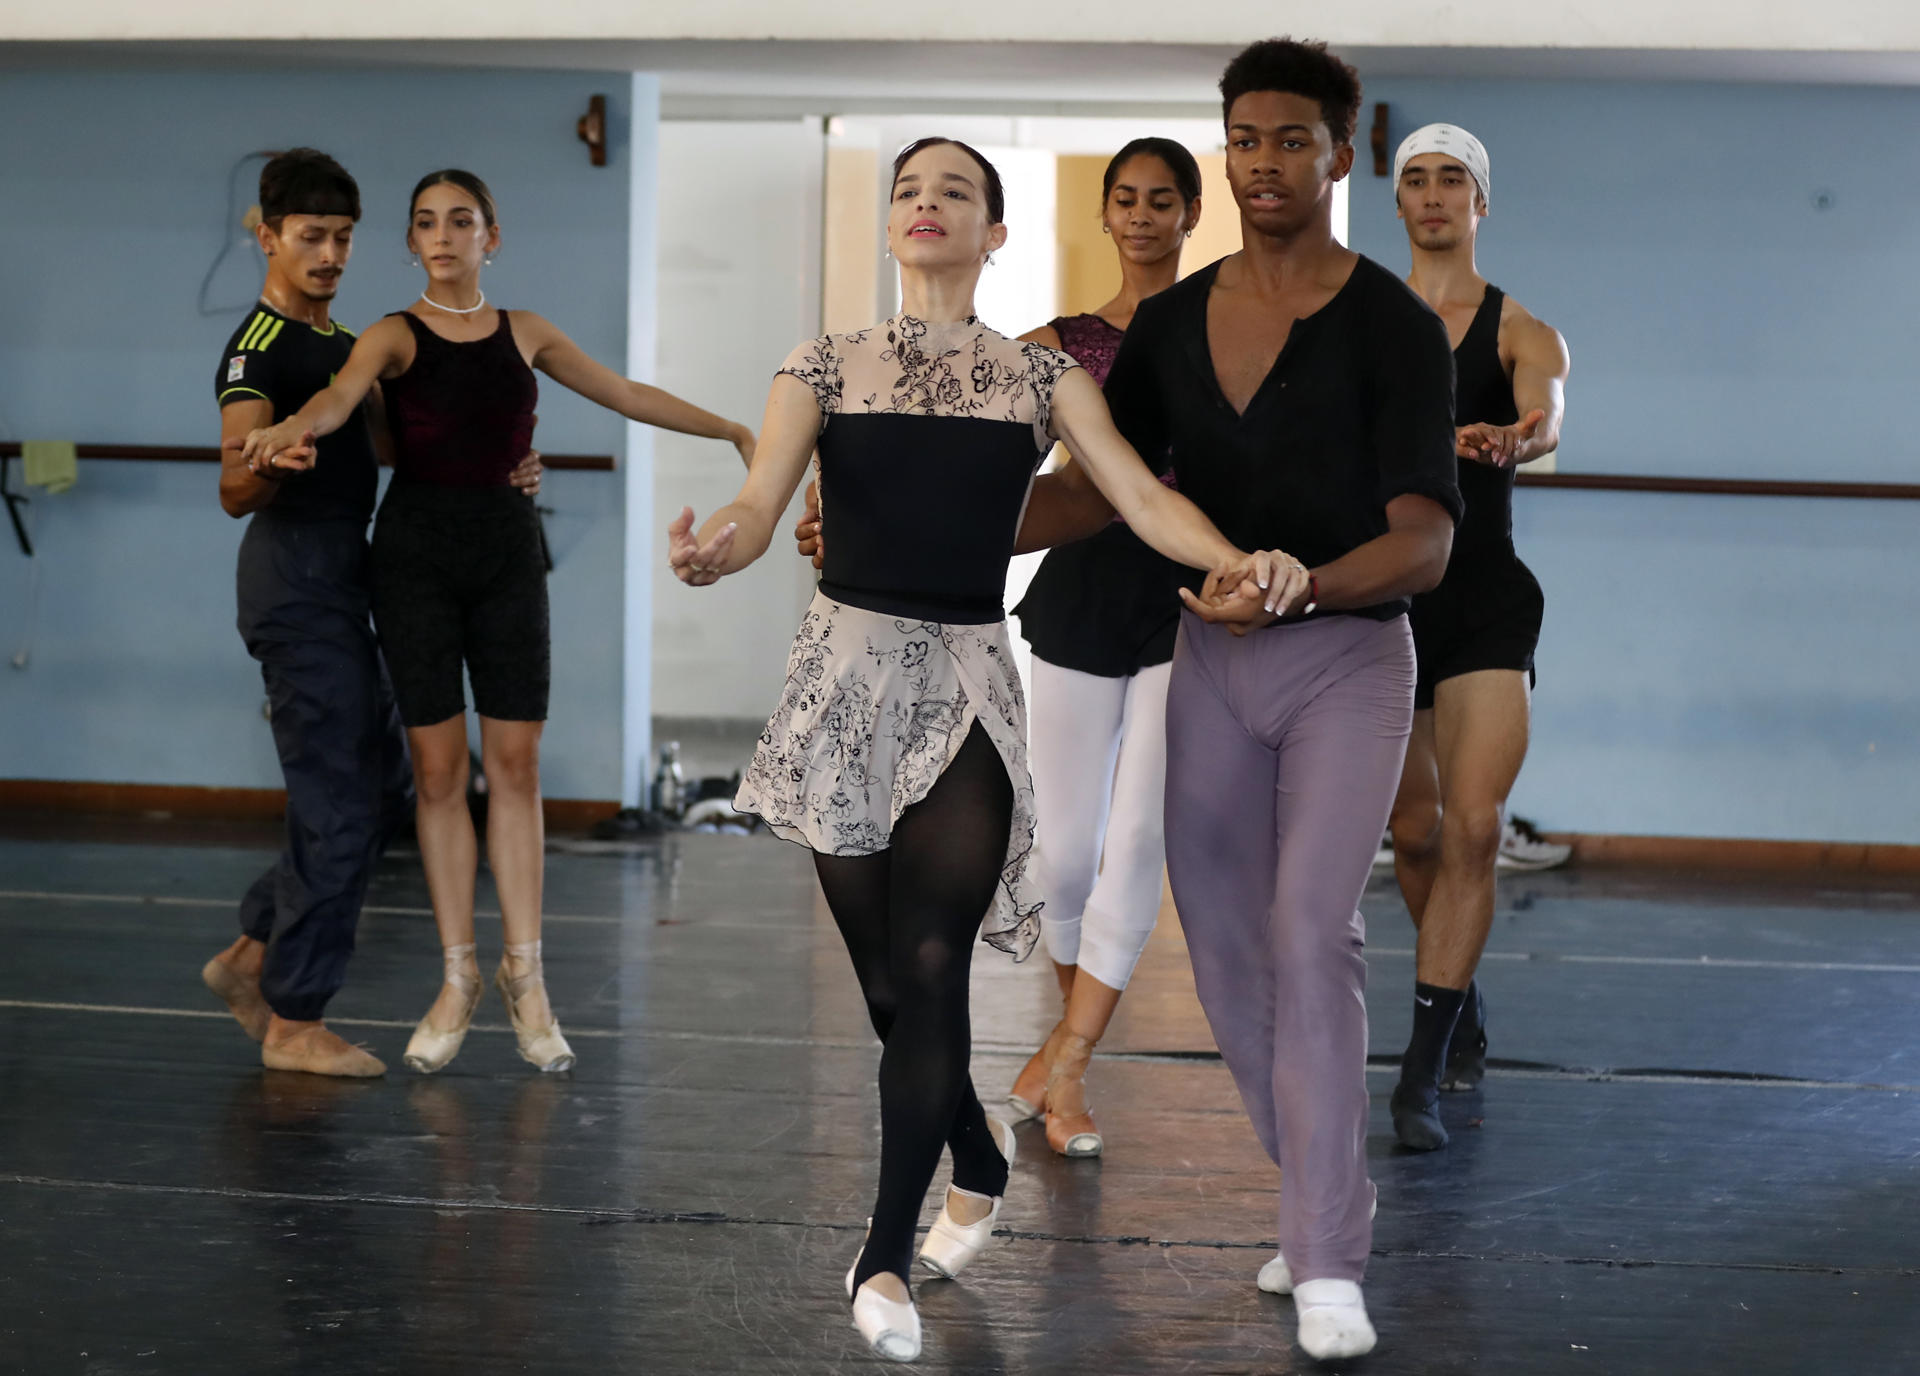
(1424, 1003)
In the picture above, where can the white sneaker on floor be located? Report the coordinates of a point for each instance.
(1523, 848)
(1333, 1320)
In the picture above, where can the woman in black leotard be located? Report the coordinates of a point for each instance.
(459, 582)
(898, 750)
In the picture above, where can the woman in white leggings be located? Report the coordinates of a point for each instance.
(1101, 616)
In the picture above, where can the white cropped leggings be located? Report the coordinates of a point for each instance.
(1098, 750)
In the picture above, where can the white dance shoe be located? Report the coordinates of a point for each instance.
(891, 1327)
(1276, 1277)
(952, 1246)
(431, 1048)
(1333, 1320)
(541, 1045)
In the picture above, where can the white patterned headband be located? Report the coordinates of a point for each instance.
(1454, 142)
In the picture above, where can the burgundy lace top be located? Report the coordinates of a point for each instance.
(462, 415)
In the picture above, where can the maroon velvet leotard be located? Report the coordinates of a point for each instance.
(462, 415)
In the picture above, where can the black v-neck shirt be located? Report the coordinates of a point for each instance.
(1358, 410)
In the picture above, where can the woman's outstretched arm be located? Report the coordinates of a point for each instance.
(738, 533)
(290, 443)
(569, 365)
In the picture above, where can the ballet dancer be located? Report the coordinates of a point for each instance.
(459, 580)
(1306, 394)
(303, 600)
(1100, 616)
(898, 750)
(1474, 635)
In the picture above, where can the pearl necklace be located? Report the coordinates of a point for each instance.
(455, 310)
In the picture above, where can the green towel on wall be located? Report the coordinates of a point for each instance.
(52, 464)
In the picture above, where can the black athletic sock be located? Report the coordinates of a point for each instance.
(1435, 1011)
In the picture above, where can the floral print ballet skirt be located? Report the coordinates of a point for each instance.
(930, 436)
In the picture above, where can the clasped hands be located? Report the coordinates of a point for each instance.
(1257, 591)
(274, 451)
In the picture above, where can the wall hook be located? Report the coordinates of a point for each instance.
(592, 129)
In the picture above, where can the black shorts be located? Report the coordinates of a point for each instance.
(460, 580)
(1485, 614)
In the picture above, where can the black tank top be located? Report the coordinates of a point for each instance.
(462, 415)
(1482, 391)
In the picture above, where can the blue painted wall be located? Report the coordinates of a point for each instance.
(1712, 666)
(115, 184)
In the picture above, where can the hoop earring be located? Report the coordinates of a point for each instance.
(989, 260)
(1105, 230)
(1189, 234)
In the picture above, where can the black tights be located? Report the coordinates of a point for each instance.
(910, 915)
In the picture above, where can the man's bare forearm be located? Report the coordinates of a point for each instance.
(1064, 506)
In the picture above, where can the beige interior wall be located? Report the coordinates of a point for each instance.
(1089, 268)
(849, 294)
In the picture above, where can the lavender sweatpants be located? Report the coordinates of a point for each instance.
(1283, 753)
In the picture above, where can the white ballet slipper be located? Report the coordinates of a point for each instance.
(952, 1246)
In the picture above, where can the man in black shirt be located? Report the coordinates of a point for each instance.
(303, 612)
(1306, 397)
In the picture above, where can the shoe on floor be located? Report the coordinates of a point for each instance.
(1523, 848)
(952, 1246)
(317, 1051)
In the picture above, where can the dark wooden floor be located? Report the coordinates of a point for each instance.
(1699, 1151)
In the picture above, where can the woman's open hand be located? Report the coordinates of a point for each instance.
(693, 563)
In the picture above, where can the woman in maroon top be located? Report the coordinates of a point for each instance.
(459, 581)
(1101, 615)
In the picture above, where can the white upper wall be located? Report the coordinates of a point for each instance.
(1768, 25)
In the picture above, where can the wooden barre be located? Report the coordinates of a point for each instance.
(176, 453)
(1590, 482)
(1726, 487)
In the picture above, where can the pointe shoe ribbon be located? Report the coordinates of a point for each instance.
(1071, 1130)
(431, 1048)
(952, 1246)
(540, 1046)
(1028, 1097)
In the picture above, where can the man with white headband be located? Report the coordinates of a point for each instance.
(1474, 635)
